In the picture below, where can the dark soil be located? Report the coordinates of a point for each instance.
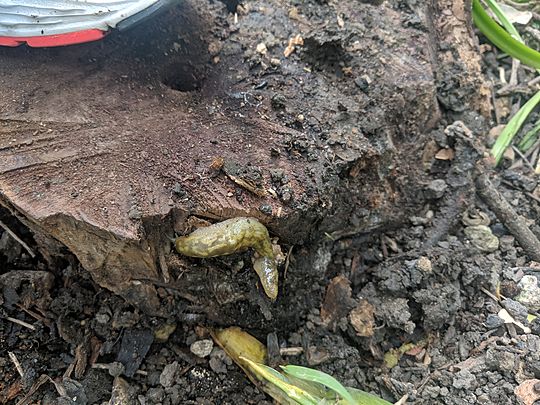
(429, 281)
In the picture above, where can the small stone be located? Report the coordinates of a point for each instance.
(464, 379)
(500, 360)
(179, 190)
(512, 273)
(168, 375)
(286, 195)
(214, 47)
(266, 209)
(361, 83)
(102, 318)
(506, 242)
(116, 368)
(432, 391)
(419, 220)
(155, 395)
(493, 321)
(153, 377)
(175, 395)
(134, 212)
(530, 293)
(202, 348)
(163, 333)
(261, 48)
(482, 238)
(424, 264)
(501, 232)
(483, 399)
(74, 393)
(517, 310)
(444, 244)
(278, 101)
(217, 361)
(436, 189)
(535, 326)
(278, 176)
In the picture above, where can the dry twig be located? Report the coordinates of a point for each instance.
(19, 322)
(28, 397)
(508, 216)
(14, 236)
(522, 156)
(17, 364)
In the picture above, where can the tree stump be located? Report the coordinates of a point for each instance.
(314, 125)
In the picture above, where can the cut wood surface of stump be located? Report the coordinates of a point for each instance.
(108, 148)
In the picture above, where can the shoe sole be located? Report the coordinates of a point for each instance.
(49, 27)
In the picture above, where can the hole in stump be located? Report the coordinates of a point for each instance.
(183, 78)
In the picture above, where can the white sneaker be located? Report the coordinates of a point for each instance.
(42, 23)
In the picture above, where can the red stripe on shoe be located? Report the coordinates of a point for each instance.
(69, 38)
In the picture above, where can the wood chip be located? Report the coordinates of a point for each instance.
(293, 14)
(430, 149)
(28, 397)
(293, 42)
(95, 348)
(361, 318)
(133, 349)
(337, 301)
(217, 163)
(445, 154)
(81, 360)
(11, 392)
(507, 318)
(248, 185)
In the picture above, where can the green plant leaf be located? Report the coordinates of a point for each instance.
(508, 26)
(513, 126)
(314, 388)
(317, 376)
(365, 398)
(502, 39)
(278, 386)
(529, 138)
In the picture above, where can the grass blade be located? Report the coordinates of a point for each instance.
(508, 26)
(513, 126)
(276, 380)
(365, 398)
(502, 39)
(309, 374)
(529, 139)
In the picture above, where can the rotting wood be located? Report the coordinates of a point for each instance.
(99, 155)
